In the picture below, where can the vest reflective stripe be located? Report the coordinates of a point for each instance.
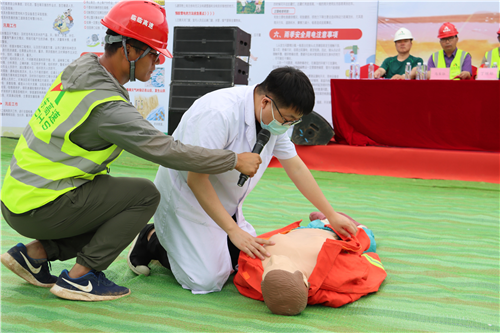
(34, 162)
(46, 163)
(20, 192)
(52, 151)
(38, 181)
(492, 57)
(456, 64)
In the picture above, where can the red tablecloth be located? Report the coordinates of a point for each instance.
(461, 115)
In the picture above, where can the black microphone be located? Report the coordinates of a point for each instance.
(262, 139)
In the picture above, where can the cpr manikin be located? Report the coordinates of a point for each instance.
(311, 265)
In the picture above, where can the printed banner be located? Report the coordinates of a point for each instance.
(41, 38)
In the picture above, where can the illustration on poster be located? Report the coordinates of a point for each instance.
(250, 6)
(94, 40)
(351, 54)
(157, 114)
(64, 22)
(145, 104)
(157, 79)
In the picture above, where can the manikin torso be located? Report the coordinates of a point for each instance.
(301, 246)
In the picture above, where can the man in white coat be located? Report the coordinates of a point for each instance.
(194, 232)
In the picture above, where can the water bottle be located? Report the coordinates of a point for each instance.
(486, 65)
(407, 71)
(351, 71)
(371, 73)
(494, 65)
(356, 72)
(419, 71)
(424, 72)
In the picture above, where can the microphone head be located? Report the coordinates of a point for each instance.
(263, 136)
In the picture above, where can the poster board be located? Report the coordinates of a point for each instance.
(40, 38)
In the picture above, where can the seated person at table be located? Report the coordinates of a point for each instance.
(394, 67)
(459, 62)
(493, 56)
(311, 265)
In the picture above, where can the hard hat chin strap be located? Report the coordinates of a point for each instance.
(132, 63)
(113, 39)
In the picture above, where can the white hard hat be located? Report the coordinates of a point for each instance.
(402, 33)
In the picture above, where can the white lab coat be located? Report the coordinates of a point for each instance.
(195, 244)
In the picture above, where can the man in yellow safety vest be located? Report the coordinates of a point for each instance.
(57, 190)
(459, 62)
(492, 57)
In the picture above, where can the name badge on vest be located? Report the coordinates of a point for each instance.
(487, 74)
(440, 73)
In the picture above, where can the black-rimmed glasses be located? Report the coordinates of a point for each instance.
(153, 53)
(285, 122)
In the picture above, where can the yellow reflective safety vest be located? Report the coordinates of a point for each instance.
(46, 164)
(456, 64)
(492, 57)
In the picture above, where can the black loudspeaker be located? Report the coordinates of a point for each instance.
(312, 130)
(211, 40)
(205, 59)
(182, 96)
(209, 69)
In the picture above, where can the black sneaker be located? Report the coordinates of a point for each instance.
(93, 286)
(139, 257)
(35, 271)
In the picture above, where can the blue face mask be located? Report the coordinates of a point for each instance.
(275, 127)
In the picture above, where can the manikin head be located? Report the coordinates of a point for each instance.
(284, 287)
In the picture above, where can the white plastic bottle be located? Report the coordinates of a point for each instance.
(407, 71)
(494, 65)
(424, 72)
(356, 71)
(419, 71)
(351, 71)
(371, 73)
(486, 65)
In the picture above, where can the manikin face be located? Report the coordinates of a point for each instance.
(403, 45)
(146, 65)
(284, 263)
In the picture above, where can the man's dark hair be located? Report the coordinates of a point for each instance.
(112, 48)
(289, 87)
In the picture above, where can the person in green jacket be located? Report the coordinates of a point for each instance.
(394, 67)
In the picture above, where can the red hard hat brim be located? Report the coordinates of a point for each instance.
(447, 35)
(165, 52)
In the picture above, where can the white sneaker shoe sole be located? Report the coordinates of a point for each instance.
(81, 296)
(11, 263)
(139, 269)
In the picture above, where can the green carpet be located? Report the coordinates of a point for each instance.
(438, 240)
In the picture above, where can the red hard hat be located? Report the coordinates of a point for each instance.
(142, 20)
(447, 30)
